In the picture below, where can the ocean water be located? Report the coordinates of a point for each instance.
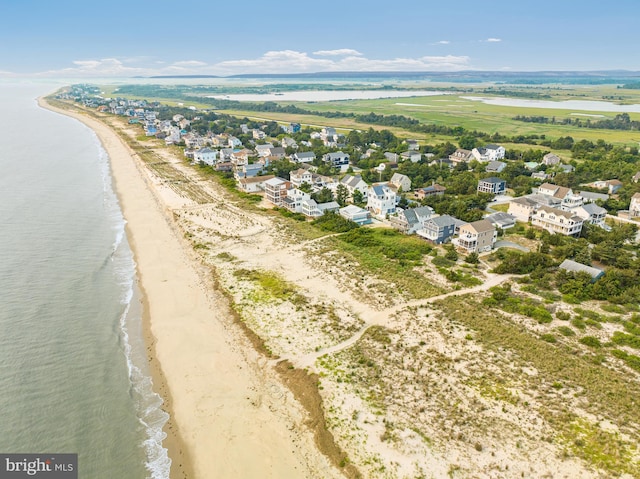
(73, 371)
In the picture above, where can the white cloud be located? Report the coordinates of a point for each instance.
(190, 63)
(282, 61)
(339, 52)
(493, 40)
(443, 42)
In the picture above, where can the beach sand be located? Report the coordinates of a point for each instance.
(231, 415)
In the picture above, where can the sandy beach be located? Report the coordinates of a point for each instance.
(231, 416)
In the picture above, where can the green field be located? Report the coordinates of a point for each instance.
(457, 110)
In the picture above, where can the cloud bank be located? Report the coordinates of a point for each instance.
(276, 61)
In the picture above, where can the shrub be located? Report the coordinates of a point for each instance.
(331, 221)
(579, 324)
(591, 341)
(563, 316)
(549, 338)
(566, 331)
(623, 339)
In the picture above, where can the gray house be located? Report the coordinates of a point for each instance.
(575, 267)
(411, 220)
(494, 185)
(440, 229)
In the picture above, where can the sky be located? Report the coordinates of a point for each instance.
(117, 38)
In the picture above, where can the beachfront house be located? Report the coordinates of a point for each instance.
(381, 200)
(439, 229)
(313, 209)
(253, 184)
(476, 237)
(275, 190)
(356, 214)
(205, 156)
(411, 220)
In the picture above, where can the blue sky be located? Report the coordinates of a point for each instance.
(138, 37)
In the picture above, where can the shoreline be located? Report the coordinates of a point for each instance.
(225, 420)
(181, 466)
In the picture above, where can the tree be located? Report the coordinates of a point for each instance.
(306, 187)
(451, 253)
(342, 194)
(358, 197)
(323, 196)
(472, 258)
(468, 142)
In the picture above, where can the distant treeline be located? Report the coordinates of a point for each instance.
(620, 122)
(631, 86)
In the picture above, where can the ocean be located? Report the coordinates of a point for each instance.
(73, 370)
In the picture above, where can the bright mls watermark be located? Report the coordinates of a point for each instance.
(45, 466)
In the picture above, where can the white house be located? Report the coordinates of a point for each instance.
(293, 200)
(233, 142)
(253, 184)
(206, 156)
(300, 176)
(312, 209)
(557, 221)
(303, 157)
(568, 198)
(489, 153)
(264, 150)
(337, 159)
(381, 200)
(356, 214)
(591, 213)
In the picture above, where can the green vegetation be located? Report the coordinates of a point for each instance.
(334, 222)
(502, 297)
(387, 255)
(273, 287)
(608, 392)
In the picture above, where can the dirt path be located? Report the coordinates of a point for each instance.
(384, 317)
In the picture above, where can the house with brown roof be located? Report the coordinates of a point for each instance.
(460, 156)
(433, 190)
(566, 195)
(557, 221)
(476, 237)
(522, 208)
